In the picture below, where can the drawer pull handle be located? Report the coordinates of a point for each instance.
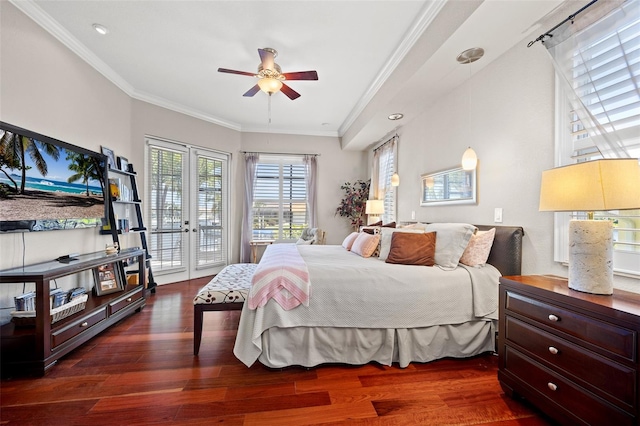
(552, 386)
(553, 350)
(129, 299)
(553, 318)
(84, 324)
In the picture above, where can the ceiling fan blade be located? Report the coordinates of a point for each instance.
(255, 89)
(267, 59)
(236, 72)
(301, 75)
(291, 94)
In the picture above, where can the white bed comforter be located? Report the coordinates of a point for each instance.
(350, 291)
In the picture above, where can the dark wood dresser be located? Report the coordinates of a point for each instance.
(573, 355)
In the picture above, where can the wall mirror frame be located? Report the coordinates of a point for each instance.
(450, 186)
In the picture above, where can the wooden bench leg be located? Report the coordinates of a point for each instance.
(197, 328)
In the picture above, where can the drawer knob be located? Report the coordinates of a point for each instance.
(129, 299)
(553, 318)
(84, 324)
(552, 386)
(553, 350)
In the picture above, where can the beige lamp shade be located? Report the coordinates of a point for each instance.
(608, 184)
(374, 207)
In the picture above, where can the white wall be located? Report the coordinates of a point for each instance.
(510, 125)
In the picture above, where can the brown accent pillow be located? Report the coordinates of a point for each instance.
(389, 225)
(378, 223)
(412, 249)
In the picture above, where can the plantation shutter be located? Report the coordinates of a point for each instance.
(280, 198)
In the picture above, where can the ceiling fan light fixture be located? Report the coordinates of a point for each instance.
(395, 116)
(270, 85)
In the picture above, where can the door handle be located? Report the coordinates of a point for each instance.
(195, 230)
(186, 230)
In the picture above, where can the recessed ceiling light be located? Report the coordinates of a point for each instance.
(395, 116)
(101, 29)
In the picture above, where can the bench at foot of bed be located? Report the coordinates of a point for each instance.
(227, 291)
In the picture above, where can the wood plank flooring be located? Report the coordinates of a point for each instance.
(142, 372)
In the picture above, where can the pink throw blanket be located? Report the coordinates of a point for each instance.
(282, 275)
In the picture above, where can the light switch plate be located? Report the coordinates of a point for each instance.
(497, 215)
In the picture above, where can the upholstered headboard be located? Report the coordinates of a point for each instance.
(506, 252)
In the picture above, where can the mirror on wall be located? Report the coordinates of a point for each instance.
(451, 186)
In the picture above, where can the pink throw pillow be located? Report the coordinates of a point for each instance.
(365, 244)
(478, 249)
(348, 242)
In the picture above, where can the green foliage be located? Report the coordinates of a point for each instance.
(353, 205)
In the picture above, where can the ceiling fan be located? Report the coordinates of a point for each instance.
(271, 76)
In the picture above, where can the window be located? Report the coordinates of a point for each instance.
(279, 198)
(605, 69)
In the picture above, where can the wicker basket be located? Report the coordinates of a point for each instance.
(28, 318)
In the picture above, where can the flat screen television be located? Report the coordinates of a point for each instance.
(47, 184)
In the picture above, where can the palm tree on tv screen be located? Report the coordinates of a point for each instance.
(86, 168)
(15, 148)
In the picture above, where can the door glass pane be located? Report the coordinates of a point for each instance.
(210, 208)
(167, 215)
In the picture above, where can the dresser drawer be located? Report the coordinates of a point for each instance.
(71, 330)
(615, 339)
(125, 301)
(603, 374)
(562, 392)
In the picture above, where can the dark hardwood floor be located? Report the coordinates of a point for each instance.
(142, 371)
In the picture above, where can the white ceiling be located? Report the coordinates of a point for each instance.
(373, 57)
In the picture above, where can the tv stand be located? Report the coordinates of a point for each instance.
(29, 350)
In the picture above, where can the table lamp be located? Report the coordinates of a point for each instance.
(607, 184)
(374, 209)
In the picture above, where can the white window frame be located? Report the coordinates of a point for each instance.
(625, 263)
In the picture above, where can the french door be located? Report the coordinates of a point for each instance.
(187, 195)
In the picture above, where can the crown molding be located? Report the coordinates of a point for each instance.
(44, 20)
(428, 14)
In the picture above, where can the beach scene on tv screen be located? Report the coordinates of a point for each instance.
(50, 185)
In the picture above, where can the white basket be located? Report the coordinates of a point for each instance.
(76, 305)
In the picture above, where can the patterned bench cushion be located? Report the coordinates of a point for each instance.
(231, 285)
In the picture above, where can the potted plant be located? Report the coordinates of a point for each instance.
(353, 205)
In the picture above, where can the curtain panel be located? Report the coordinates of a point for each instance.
(251, 161)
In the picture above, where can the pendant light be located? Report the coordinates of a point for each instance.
(469, 158)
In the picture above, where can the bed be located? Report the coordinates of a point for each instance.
(362, 309)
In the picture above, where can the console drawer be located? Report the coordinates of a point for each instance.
(603, 374)
(71, 330)
(615, 339)
(125, 301)
(562, 392)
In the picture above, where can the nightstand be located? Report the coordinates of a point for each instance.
(573, 355)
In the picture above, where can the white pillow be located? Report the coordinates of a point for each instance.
(451, 240)
(385, 239)
(348, 241)
(302, 242)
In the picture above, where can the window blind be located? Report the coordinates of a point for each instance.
(279, 199)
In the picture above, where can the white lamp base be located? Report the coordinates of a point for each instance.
(591, 256)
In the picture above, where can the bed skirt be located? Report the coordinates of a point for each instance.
(311, 346)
